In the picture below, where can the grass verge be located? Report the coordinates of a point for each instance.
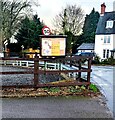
(91, 91)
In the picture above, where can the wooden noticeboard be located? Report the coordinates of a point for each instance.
(53, 46)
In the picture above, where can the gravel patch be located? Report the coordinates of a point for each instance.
(25, 79)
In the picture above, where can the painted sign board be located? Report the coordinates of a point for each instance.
(53, 46)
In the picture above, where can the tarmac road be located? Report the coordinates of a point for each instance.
(104, 76)
(54, 107)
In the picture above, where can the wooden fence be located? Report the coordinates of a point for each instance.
(45, 66)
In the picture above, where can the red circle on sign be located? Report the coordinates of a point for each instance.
(46, 30)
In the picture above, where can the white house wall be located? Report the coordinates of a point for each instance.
(114, 45)
(100, 45)
(113, 41)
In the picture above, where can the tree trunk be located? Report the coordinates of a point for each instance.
(1, 44)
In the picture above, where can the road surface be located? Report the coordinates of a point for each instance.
(54, 107)
(103, 76)
(62, 107)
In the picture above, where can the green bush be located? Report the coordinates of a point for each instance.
(72, 89)
(106, 62)
(96, 60)
(93, 88)
(46, 88)
(54, 89)
(83, 87)
(109, 61)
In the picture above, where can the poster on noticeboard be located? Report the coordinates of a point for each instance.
(53, 46)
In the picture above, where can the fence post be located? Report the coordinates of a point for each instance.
(70, 74)
(89, 68)
(36, 70)
(79, 73)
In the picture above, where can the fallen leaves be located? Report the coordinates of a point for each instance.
(52, 91)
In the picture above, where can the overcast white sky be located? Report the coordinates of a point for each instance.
(48, 9)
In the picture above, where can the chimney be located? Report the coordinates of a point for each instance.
(103, 6)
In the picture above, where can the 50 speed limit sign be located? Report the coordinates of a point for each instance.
(46, 30)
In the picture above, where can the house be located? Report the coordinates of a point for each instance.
(86, 49)
(105, 34)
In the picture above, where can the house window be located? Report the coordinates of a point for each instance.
(109, 24)
(104, 53)
(108, 53)
(107, 39)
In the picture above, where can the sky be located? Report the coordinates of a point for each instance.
(48, 9)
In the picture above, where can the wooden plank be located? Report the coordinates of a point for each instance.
(64, 71)
(31, 59)
(63, 84)
(47, 85)
(17, 72)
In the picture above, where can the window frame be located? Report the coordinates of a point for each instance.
(107, 39)
(109, 24)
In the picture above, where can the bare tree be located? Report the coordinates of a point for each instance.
(71, 18)
(11, 13)
(0, 30)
